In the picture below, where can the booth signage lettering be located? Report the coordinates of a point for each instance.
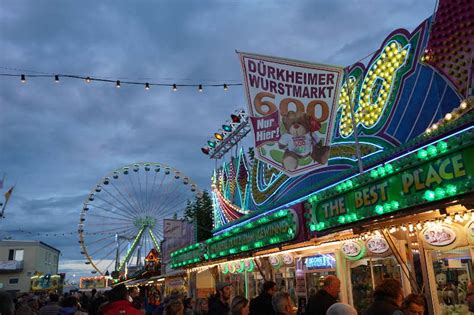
(392, 192)
(432, 174)
(439, 235)
(377, 245)
(325, 261)
(351, 249)
(276, 228)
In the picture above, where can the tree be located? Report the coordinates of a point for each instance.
(200, 213)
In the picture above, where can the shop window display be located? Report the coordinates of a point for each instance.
(367, 273)
(453, 271)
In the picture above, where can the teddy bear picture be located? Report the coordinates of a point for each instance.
(300, 140)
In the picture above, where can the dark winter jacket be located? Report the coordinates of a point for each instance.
(217, 307)
(262, 305)
(383, 306)
(319, 303)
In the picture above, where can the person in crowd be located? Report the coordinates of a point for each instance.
(281, 303)
(98, 300)
(413, 304)
(188, 306)
(262, 304)
(219, 303)
(119, 302)
(388, 298)
(319, 303)
(7, 307)
(341, 309)
(174, 307)
(201, 307)
(239, 306)
(470, 296)
(70, 306)
(52, 307)
(134, 297)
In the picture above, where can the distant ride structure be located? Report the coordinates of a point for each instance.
(122, 217)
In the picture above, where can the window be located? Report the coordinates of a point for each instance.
(16, 254)
(13, 281)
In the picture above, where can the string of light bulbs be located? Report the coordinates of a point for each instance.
(118, 83)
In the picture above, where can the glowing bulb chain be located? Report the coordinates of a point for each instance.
(118, 83)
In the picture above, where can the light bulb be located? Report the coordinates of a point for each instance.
(23, 78)
(117, 84)
(88, 80)
(147, 86)
(225, 87)
(56, 78)
(175, 88)
(200, 88)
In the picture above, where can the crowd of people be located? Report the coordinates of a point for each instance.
(387, 300)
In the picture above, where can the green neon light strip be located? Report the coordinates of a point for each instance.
(132, 248)
(155, 241)
(458, 146)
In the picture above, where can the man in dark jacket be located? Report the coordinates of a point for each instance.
(219, 303)
(262, 304)
(388, 298)
(319, 303)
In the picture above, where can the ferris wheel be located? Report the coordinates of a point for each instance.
(122, 217)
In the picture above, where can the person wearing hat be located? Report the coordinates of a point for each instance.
(219, 303)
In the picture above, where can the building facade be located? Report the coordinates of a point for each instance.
(20, 260)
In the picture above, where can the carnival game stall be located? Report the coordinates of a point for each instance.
(47, 283)
(386, 188)
(99, 282)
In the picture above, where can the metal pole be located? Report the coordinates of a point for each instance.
(354, 125)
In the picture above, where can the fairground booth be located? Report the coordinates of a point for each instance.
(385, 190)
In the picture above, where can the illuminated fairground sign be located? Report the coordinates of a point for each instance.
(396, 97)
(98, 282)
(271, 229)
(278, 227)
(188, 255)
(324, 261)
(434, 172)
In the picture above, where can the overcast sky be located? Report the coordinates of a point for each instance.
(58, 140)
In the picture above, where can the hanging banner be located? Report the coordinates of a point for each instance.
(292, 105)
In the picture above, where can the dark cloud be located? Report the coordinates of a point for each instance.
(58, 140)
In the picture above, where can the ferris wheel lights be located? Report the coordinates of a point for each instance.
(205, 151)
(225, 87)
(235, 118)
(200, 88)
(175, 88)
(227, 128)
(117, 84)
(88, 80)
(56, 78)
(218, 136)
(147, 86)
